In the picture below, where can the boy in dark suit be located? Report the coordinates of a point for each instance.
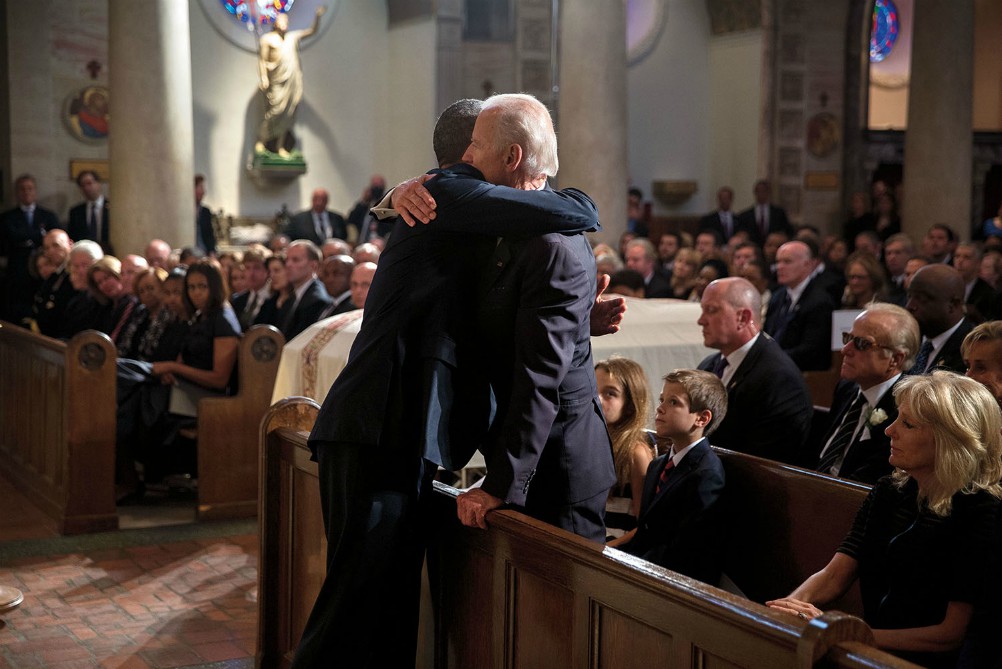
(677, 528)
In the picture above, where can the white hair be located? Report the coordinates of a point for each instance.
(524, 120)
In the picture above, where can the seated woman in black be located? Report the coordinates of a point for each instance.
(209, 352)
(147, 287)
(281, 290)
(206, 359)
(923, 544)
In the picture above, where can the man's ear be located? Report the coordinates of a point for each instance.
(513, 157)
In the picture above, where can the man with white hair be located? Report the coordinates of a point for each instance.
(878, 349)
(412, 396)
(83, 312)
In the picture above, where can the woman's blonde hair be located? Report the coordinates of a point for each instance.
(632, 422)
(967, 434)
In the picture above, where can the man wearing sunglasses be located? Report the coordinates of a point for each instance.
(882, 344)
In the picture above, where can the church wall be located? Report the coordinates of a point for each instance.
(735, 100)
(49, 43)
(669, 103)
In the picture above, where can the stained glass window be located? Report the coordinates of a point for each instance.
(884, 32)
(264, 12)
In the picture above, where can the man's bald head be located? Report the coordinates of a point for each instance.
(454, 129)
(361, 279)
(936, 298)
(56, 246)
(731, 308)
(158, 253)
(794, 263)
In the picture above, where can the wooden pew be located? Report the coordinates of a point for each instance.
(228, 430)
(57, 425)
(524, 593)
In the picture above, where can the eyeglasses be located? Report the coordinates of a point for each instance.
(861, 344)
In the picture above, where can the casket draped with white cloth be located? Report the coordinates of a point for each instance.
(660, 335)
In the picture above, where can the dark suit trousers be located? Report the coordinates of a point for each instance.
(366, 614)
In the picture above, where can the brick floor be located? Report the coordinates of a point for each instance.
(189, 603)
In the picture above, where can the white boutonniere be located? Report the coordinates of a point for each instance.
(876, 417)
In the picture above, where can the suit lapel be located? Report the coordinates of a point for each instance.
(748, 363)
(680, 472)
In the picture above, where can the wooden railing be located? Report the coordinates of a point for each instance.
(57, 425)
(524, 593)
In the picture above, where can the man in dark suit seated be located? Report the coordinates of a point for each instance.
(641, 257)
(91, 218)
(763, 218)
(769, 406)
(723, 221)
(979, 297)
(57, 290)
(317, 224)
(308, 299)
(413, 396)
(247, 303)
(936, 300)
(335, 273)
(800, 312)
(880, 346)
(678, 527)
(21, 231)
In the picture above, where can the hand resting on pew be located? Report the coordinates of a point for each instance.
(472, 507)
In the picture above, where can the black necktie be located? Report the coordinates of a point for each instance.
(835, 453)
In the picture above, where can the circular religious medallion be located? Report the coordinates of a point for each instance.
(85, 113)
(884, 32)
(823, 134)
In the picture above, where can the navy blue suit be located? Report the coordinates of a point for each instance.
(678, 527)
(306, 312)
(550, 431)
(411, 396)
(805, 332)
(768, 406)
(205, 236)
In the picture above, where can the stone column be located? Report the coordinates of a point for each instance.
(938, 141)
(592, 107)
(151, 141)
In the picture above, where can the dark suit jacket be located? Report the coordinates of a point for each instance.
(806, 338)
(949, 357)
(17, 242)
(415, 360)
(768, 406)
(78, 230)
(660, 286)
(980, 302)
(301, 227)
(206, 235)
(534, 324)
(307, 311)
(678, 528)
(778, 222)
(714, 223)
(866, 459)
(51, 301)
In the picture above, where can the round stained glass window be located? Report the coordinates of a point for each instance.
(247, 10)
(884, 32)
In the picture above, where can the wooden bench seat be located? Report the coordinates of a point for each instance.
(57, 425)
(524, 593)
